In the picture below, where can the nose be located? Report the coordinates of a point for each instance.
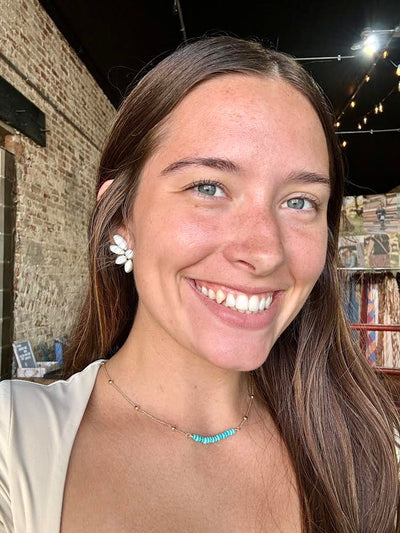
(255, 242)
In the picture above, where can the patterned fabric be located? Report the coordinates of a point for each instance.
(383, 347)
(382, 306)
(391, 340)
(372, 312)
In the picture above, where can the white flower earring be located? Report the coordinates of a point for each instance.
(125, 256)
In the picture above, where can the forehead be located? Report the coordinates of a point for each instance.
(246, 115)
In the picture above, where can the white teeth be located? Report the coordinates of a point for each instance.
(220, 296)
(253, 303)
(230, 300)
(242, 302)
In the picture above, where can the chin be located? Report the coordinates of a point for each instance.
(236, 358)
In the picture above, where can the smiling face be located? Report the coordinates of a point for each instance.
(229, 223)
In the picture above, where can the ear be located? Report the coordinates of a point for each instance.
(103, 188)
(125, 234)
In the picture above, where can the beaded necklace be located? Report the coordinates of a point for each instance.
(194, 436)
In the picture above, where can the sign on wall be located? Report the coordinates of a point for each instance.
(24, 354)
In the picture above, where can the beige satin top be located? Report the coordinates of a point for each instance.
(38, 425)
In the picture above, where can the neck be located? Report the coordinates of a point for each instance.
(178, 386)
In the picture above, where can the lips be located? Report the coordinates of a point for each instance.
(242, 302)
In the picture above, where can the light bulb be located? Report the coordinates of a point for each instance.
(371, 45)
(337, 124)
(344, 144)
(353, 104)
(380, 108)
(359, 126)
(367, 78)
(365, 120)
(376, 110)
(385, 54)
(398, 70)
(398, 87)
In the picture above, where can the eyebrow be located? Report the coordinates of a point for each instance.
(229, 166)
(308, 177)
(211, 162)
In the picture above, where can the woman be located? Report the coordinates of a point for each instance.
(235, 399)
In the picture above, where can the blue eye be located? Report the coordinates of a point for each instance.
(209, 188)
(299, 203)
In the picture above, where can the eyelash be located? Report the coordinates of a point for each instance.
(195, 184)
(314, 202)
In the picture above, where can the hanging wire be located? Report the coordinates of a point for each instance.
(371, 132)
(339, 57)
(178, 10)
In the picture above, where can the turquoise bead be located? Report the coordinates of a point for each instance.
(214, 438)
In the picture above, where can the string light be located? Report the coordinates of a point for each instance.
(344, 144)
(373, 45)
(369, 41)
(378, 108)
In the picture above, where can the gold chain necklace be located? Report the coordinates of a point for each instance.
(194, 436)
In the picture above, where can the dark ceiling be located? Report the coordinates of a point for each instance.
(117, 39)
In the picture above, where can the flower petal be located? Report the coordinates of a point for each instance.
(128, 267)
(121, 259)
(117, 250)
(120, 241)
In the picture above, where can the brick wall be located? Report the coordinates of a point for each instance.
(54, 189)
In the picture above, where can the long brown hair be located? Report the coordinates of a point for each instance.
(333, 414)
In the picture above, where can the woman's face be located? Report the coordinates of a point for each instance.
(229, 225)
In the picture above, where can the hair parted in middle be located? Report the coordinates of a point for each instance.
(332, 412)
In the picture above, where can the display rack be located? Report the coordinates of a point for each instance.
(363, 343)
(364, 325)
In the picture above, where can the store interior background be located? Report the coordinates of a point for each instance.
(76, 60)
(117, 40)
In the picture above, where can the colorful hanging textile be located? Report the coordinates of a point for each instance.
(372, 312)
(382, 307)
(390, 298)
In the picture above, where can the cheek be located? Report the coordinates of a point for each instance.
(307, 254)
(183, 232)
